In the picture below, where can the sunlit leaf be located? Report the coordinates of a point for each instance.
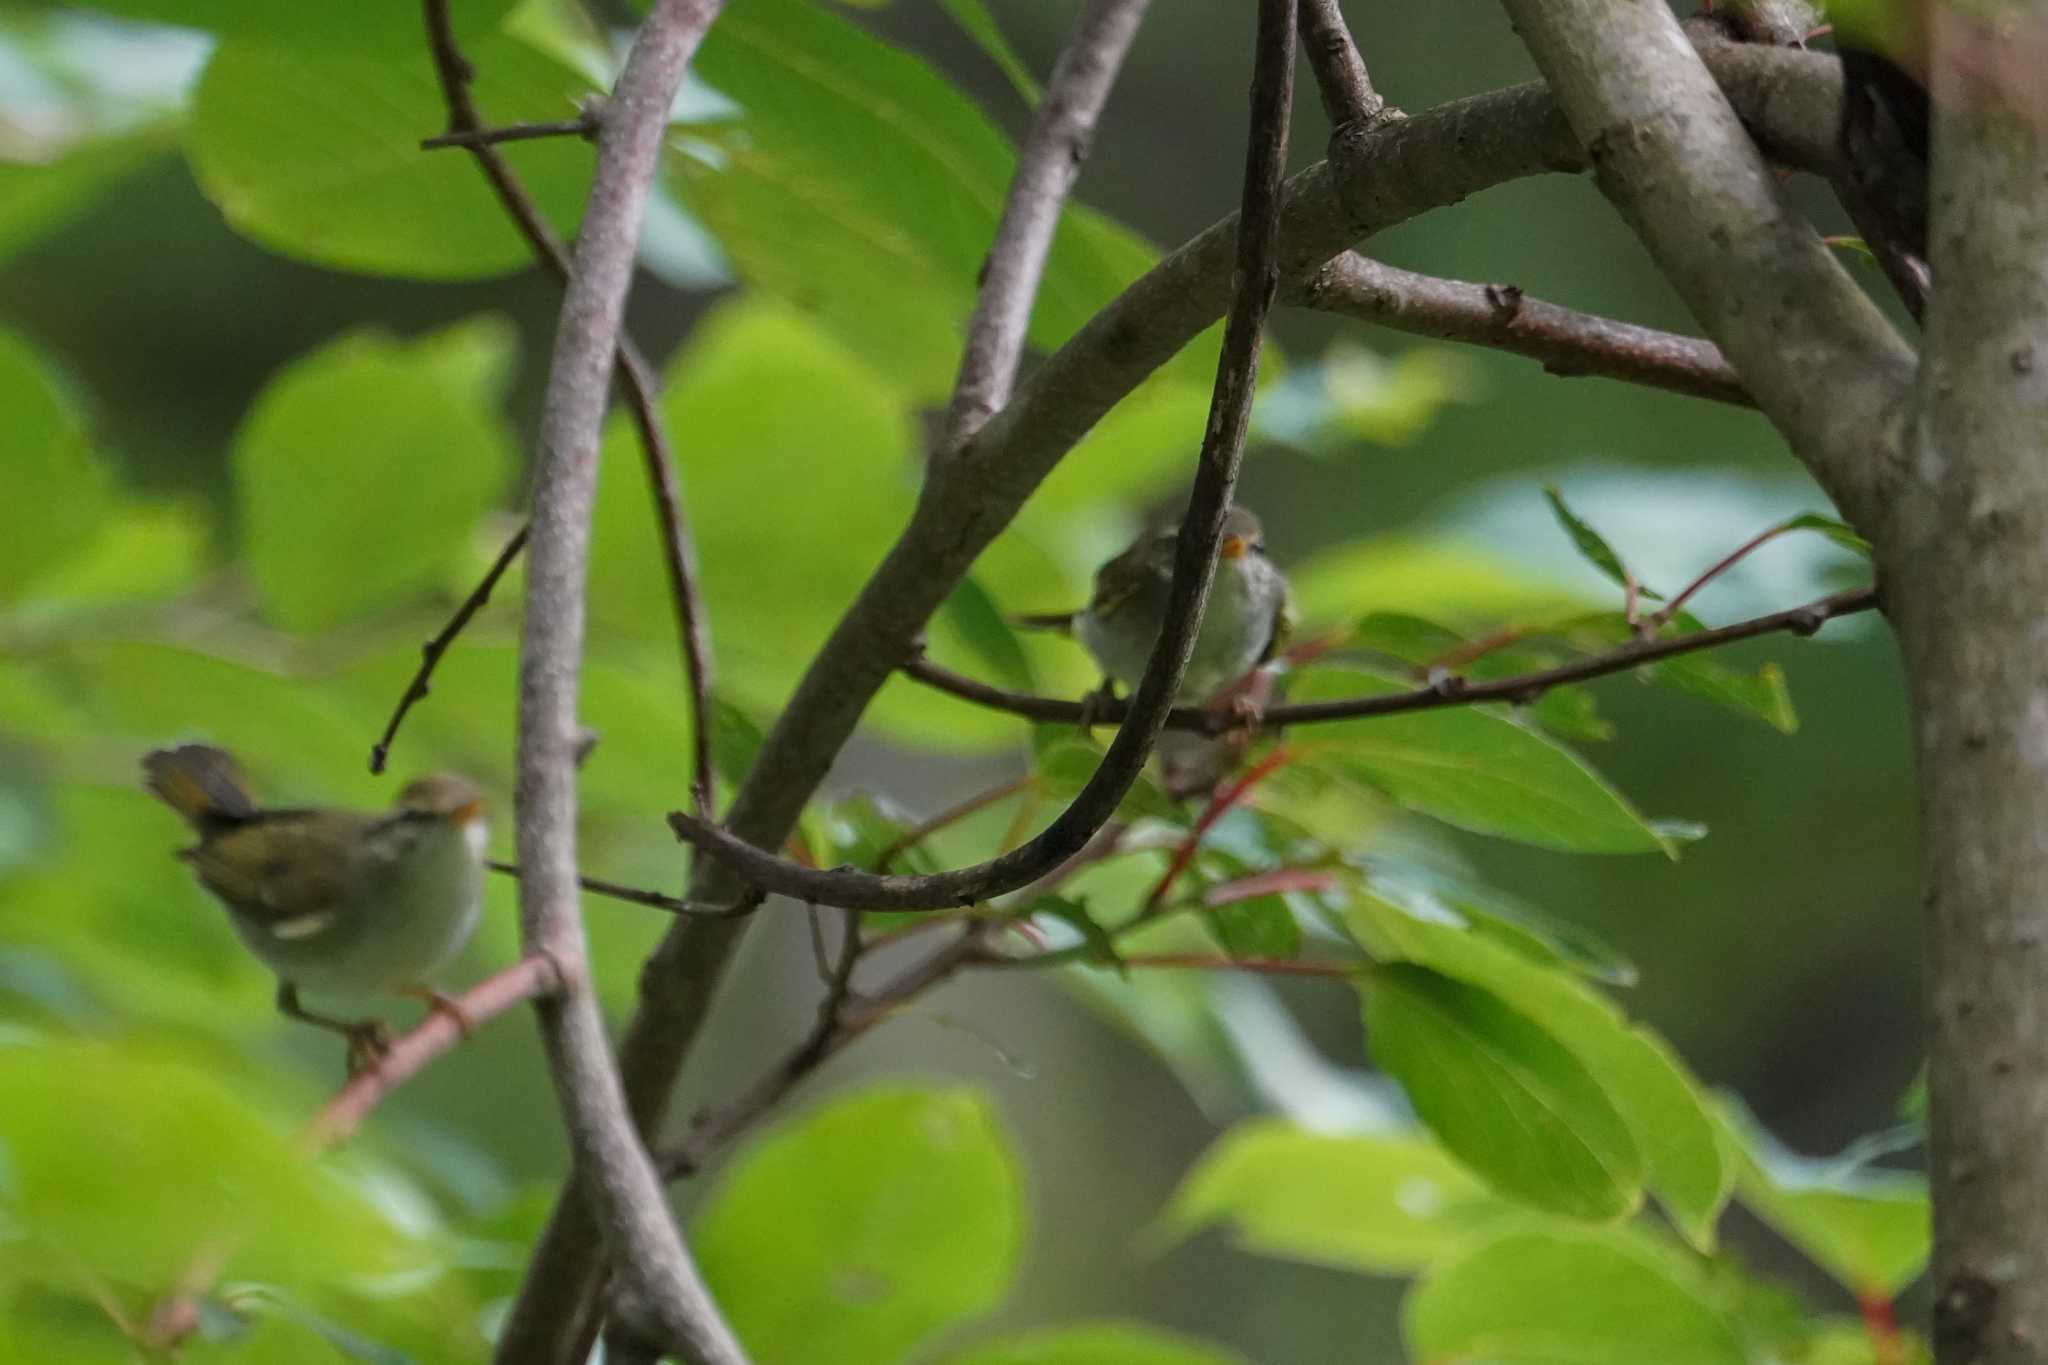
(55, 489)
(1592, 1297)
(314, 153)
(373, 454)
(886, 1216)
(1387, 1204)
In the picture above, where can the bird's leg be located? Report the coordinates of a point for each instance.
(440, 1002)
(368, 1039)
(1243, 705)
(1094, 703)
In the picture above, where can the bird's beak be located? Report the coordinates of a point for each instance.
(1233, 547)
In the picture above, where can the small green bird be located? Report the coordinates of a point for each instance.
(335, 900)
(1247, 620)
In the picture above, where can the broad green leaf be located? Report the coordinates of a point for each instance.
(865, 187)
(371, 24)
(314, 153)
(123, 1162)
(1593, 545)
(981, 626)
(1096, 1343)
(1383, 1203)
(1689, 1170)
(1473, 767)
(857, 1231)
(1502, 1093)
(1259, 928)
(55, 489)
(1761, 695)
(362, 467)
(139, 553)
(735, 740)
(1589, 1297)
(1463, 584)
(977, 23)
(1867, 1226)
(1432, 893)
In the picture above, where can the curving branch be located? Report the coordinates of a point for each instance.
(1201, 533)
(1667, 148)
(1341, 77)
(1047, 165)
(1502, 317)
(1372, 181)
(661, 1296)
(636, 381)
(1450, 689)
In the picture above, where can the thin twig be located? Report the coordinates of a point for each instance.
(1047, 164)
(653, 900)
(1449, 690)
(636, 382)
(659, 1288)
(432, 650)
(1502, 317)
(583, 125)
(951, 815)
(1669, 611)
(1200, 536)
(1219, 806)
(1341, 77)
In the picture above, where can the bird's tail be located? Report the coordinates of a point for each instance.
(1045, 620)
(201, 783)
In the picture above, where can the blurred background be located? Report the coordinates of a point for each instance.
(1777, 954)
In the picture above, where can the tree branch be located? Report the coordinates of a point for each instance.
(1047, 165)
(636, 381)
(1341, 77)
(1201, 533)
(653, 900)
(1503, 317)
(659, 1283)
(1371, 182)
(1820, 359)
(1450, 690)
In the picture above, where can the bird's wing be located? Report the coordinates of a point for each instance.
(1284, 622)
(1122, 578)
(282, 869)
(1045, 620)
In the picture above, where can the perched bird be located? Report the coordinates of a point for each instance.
(1247, 618)
(335, 900)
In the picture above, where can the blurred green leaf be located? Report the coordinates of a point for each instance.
(1591, 1297)
(1103, 1343)
(1259, 928)
(735, 740)
(55, 489)
(977, 23)
(857, 1231)
(865, 187)
(1472, 767)
(314, 153)
(1382, 1203)
(39, 197)
(1064, 759)
(1462, 584)
(1076, 916)
(1594, 546)
(361, 468)
(1838, 531)
(1353, 394)
(1762, 695)
(1690, 1172)
(983, 628)
(1502, 1094)
(1867, 1226)
(371, 24)
(125, 1161)
(142, 552)
(1433, 893)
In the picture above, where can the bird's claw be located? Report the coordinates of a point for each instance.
(369, 1040)
(440, 1002)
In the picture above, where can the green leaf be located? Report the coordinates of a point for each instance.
(977, 23)
(862, 827)
(859, 1230)
(1593, 545)
(1840, 532)
(864, 186)
(373, 24)
(139, 553)
(1690, 1172)
(1432, 893)
(1262, 927)
(1475, 768)
(983, 628)
(1064, 759)
(1467, 585)
(735, 740)
(39, 197)
(1866, 1226)
(199, 1165)
(362, 467)
(1502, 1093)
(55, 489)
(1762, 694)
(314, 153)
(1074, 913)
(1590, 1297)
(1383, 1203)
(1096, 1343)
